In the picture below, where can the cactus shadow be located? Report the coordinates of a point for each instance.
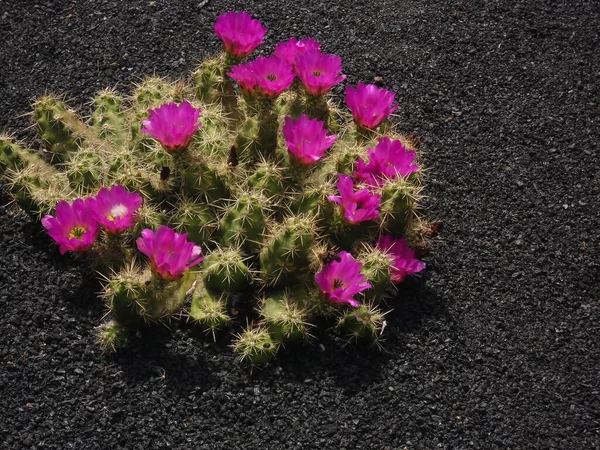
(159, 354)
(416, 303)
(357, 365)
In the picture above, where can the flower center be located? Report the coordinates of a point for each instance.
(338, 283)
(117, 211)
(316, 73)
(77, 232)
(271, 77)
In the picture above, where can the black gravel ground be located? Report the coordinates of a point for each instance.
(498, 350)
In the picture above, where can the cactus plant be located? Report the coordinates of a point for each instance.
(243, 183)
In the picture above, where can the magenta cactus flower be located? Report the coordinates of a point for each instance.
(306, 139)
(74, 228)
(115, 209)
(319, 72)
(267, 76)
(170, 253)
(358, 206)
(272, 75)
(369, 104)
(240, 33)
(289, 50)
(339, 281)
(404, 261)
(388, 160)
(245, 78)
(173, 125)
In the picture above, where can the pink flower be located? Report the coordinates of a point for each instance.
(369, 104)
(340, 280)
(388, 160)
(267, 76)
(289, 50)
(244, 76)
(170, 253)
(74, 227)
(173, 125)
(240, 33)
(404, 261)
(358, 206)
(115, 208)
(306, 139)
(319, 72)
(271, 75)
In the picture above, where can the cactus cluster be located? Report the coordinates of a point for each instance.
(259, 203)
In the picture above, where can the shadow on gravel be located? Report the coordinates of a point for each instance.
(190, 358)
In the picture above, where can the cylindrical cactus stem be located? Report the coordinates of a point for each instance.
(269, 179)
(256, 346)
(209, 79)
(108, 121)
(112, 336)
(376, 265)
(316, 306)
(365, 323)
(199, 179)
(285, 257)
(346, 235)
(317, 107)
(209, 310)
(346, 156)
(225, 270)
(38, 187)
(141, 180)
(212, 83)
(135, 296)
(314, 201)
(258, 137)
(111, 253)
(195, 219)
(59, 128)
(125, 294)
(14, 157)
(85, 168)
(167, 297)
(243, 223)
(151, 93)
(283, 316)
(246, 142)
(149, 216)
(398, 202)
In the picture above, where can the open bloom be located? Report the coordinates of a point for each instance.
(115, 208)
(369, 104)
(358, 206)
(170, 253)
(240, 33)
(74, 228)
(388, 160)
(306, 139)
(244, 76)
(271, 75)
(173, 125)
(340, 280)
(404, 261)
(289, 50)
(319, 72)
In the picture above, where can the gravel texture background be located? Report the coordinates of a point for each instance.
(498, 350)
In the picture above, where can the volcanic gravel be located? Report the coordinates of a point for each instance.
(497, 345)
